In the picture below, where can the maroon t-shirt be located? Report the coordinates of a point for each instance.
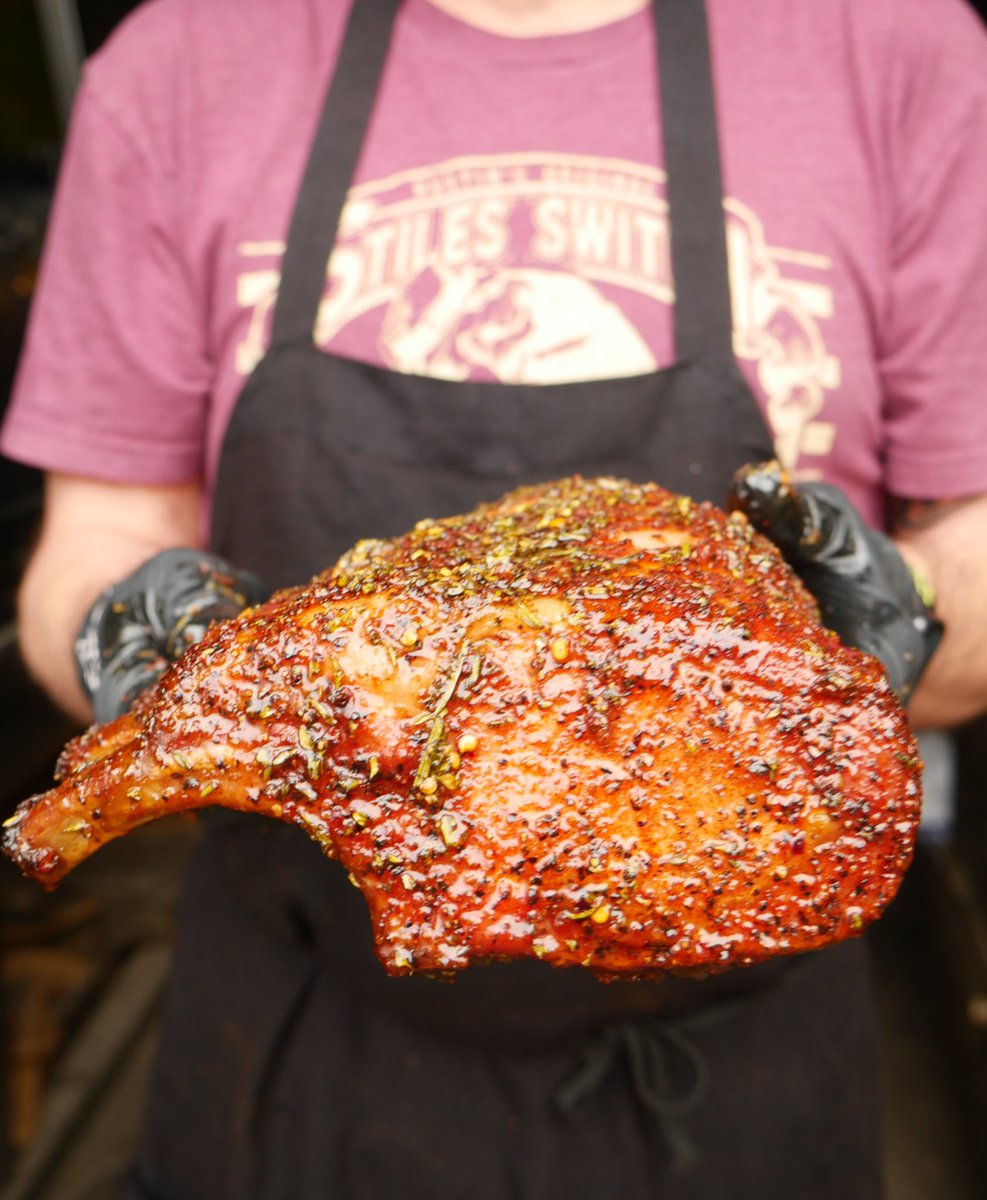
(508, 221)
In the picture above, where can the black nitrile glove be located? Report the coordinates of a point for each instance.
(864, 588)
(144, 622)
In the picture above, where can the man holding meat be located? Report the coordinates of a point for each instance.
(316, 271)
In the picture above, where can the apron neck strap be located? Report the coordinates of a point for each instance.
(331, 166)
(692, 164)
(703, 322)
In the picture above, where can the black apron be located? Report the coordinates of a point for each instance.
(291, 1066)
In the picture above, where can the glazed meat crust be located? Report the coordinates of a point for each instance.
(593, 723)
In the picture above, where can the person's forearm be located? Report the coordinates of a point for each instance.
(948, 544)
(92, 536)
(57, 592)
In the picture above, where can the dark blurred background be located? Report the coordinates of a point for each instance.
(81, 972)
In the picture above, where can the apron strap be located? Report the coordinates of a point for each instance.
(703, 319)
(331, 166)
(695, 192)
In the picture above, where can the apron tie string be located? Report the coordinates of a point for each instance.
(649, 1049)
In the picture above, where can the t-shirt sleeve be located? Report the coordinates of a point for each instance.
(932, 342)
(114, 376)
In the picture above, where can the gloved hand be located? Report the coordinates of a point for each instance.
(144, 622)
(865, 590)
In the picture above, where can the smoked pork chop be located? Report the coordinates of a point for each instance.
(592, 723)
